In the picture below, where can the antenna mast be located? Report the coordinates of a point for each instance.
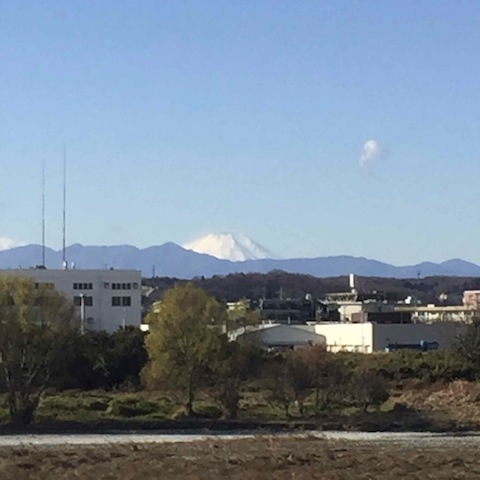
(43, 213)
(64, 257)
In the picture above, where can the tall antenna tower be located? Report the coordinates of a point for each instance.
(43, 213)
(64, 256)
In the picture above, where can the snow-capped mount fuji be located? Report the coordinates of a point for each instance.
(235, 247)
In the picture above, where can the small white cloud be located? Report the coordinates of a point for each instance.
(371, 151)
(8, 243)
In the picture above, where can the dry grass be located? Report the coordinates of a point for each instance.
(241, 459)
(458, 400)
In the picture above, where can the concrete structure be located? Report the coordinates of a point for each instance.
(471, 299)
(287, 311)
(275, 335)
(371, 337)
(382, 317)
(437, 313)
(349, 304)
(105, 299)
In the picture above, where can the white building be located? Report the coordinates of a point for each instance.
(374, 337)
(471, 299)
(104, 299)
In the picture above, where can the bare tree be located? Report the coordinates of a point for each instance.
(369, 388)
(300, 376)
(232, 364)
(279, 384)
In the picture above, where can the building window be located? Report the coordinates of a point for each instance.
(83, 286)
(87, 301)
(126, 301)
(121, 286)
(116, 301)
(135, 286)
(46, 285)
(106, 285)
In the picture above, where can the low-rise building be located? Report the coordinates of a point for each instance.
(103, 299)
(437, 313)
(371, 337)
(289, 311)
(278, 336)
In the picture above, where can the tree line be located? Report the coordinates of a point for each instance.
(268, 285)
(187, 353)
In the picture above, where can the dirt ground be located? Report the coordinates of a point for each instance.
(260, 458)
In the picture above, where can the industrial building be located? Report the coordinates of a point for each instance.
(288, 311)
(272, 336)
(371, 337)
(103, 299)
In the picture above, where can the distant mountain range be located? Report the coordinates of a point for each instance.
(174, 261)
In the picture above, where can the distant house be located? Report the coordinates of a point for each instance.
(278, 336)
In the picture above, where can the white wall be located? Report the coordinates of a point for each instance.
(352, 337)
(368, 337)
(347, 309)
(102, 315)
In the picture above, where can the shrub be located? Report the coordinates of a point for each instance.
(207, 410)
(131, 407)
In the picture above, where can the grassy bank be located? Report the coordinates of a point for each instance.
(305, 458)
(412, 406)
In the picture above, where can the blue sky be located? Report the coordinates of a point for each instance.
(182, 118)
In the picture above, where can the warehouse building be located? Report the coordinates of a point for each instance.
(371, 337)
(277, 336)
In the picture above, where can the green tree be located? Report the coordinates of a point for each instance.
(99, 359)
(35, 324)
(184, 332)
